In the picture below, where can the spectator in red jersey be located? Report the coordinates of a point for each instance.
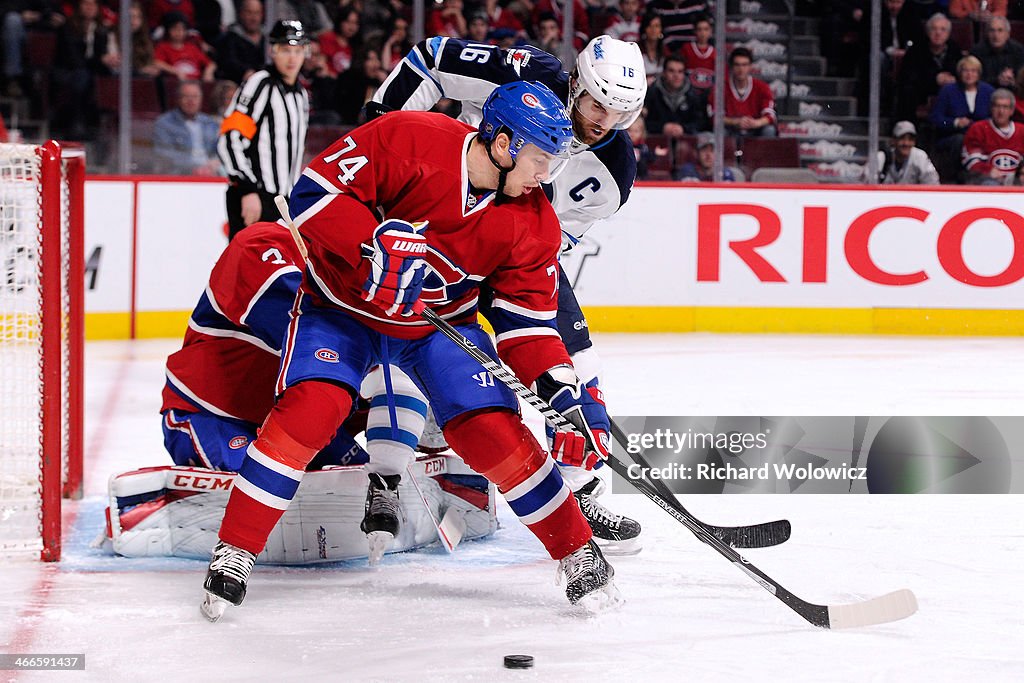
(177, 56)
(397, 45)
(652, 46)
(699, 55)
(993, 148)
(339, 45)
(677, 18)
(501, 18)
(447, 20)
(158, 9)
(580, 22)
(978, 10)
(626, 26)
(749, 103)
(4, 136)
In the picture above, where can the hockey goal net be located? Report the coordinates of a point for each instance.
(42, 284)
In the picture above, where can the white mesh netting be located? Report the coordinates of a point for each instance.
(21, 401)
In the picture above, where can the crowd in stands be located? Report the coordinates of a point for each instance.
(949, 68)
(945, 64)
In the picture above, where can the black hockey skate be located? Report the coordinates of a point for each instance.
(225, 579)
(616, 534)
(382, 515)
(589, 579)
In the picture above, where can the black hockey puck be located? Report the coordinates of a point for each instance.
(518, 661)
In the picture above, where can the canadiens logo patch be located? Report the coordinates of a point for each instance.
(530, 100)
(517, 59)
(1005, 160)
(238, 442)
(326, 355)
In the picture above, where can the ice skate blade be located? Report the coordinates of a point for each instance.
(379, 542)
(630, 546)
(604, 599)
(213, 607)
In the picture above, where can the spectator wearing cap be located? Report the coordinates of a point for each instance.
(993, 149)
(177, 56)
(903, 163)
(703, 169)
(262, 152)
(673, 107)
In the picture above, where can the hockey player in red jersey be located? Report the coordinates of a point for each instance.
(460, 208)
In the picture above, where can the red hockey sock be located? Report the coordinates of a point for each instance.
(498, 445)
(305, 420)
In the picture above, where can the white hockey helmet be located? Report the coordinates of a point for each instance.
(612, 72)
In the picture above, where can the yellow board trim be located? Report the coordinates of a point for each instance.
(913, 321)
(660, 319)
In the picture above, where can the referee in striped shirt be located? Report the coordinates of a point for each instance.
(263, 134)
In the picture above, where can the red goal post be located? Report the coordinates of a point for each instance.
(42, 291)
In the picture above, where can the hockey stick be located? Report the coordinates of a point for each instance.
(763, 535)
(889, 607)
(451, 527)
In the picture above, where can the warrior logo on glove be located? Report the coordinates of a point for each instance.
(397, 265)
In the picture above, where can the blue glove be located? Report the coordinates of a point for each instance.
(584, 408)
(398, 265)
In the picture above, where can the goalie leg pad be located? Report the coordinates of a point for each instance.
(302, 422)
(498, 445)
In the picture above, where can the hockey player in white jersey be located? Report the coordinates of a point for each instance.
(604, 95)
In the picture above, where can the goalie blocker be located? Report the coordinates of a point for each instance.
(177, 511)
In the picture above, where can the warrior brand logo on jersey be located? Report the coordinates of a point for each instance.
(517, 59)
(238, 442)
(530, 100)
(326, 355)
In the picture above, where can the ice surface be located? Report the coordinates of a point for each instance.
(689, 614)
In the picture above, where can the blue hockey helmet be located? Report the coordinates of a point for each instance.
(530, 114)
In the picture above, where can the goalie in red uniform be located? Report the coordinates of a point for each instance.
(460, 207)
